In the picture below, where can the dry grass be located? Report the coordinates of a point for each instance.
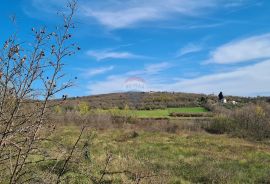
(251, 121)
(168, 158)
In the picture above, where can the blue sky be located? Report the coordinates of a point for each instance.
(201, 46)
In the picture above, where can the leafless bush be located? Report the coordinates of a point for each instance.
(154, 125)
(221, 124)
(215, 107)
(23, 106)
(127, 136)
(251, 121)
(193, 124)
(181, 114)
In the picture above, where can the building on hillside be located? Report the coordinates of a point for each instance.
(234, 102)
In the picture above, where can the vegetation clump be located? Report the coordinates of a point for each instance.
(251, 121)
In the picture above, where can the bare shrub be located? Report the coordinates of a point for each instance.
(216, 107)
(251, 121)
(173, 128)
(220, 124)
(181, 114)
(127, 136)
(24, 122)
(100, 121)
(155, 125)
(194, 125)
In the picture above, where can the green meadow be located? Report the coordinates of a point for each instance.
(166, 112)
(157, 113)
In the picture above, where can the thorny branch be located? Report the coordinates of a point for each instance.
(23, 106)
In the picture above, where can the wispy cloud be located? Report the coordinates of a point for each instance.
(151, 69)
(41, 9)
(248, 81)
(118, 14)
(124, 18)
(234, 4)
(122, 14)
(190, 48)
(108, 54)
(96, 71)
(248, 49)
(116, 83)
(155, 68)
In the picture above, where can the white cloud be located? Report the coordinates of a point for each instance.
(190, 48)
(110, 85)
(117, 14)
(151, 69)
(191, 25)
(117, 83)
(43, 9)
(124, 18)
(247, 81)
(97, 71)
(248, 49)
(122, 14)
(105, 54)
(155, 68)
(234, 4)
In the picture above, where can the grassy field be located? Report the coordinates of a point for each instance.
(166, 112)
(157, 113)
(168, 158)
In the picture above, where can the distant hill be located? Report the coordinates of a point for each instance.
(147, 100)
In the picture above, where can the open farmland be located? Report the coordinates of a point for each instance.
(157, 113)
(166, 112)
(135, 92)
(189, 157)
